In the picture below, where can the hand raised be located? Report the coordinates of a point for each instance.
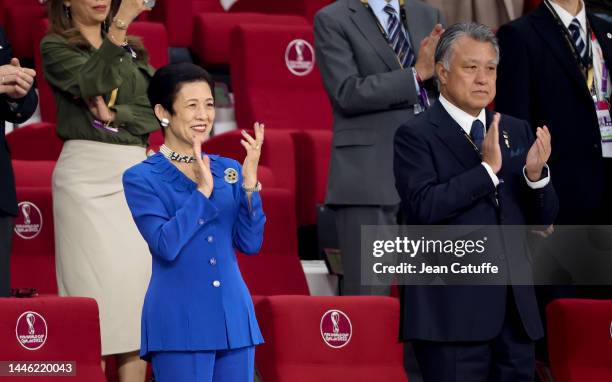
(252, 147)
(130, 9)
(538, 154)
(425, 64)
(201, 169)
(491, 152)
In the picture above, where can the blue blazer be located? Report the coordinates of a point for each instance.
(197, 299)
(441, 181)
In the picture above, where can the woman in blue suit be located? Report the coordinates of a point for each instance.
(194, 211)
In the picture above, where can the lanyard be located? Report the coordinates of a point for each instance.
(585, 64)
(600, 90)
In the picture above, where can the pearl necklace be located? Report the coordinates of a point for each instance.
(174, 156)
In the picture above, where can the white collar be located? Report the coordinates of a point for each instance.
(566, 17)
(378, 6)
(464, 119)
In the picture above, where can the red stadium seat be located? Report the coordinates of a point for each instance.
(37, 141)
(19, 23)
(312, 155)
(177, 16)
(33, 251)
(30, 173)
(277, 154)
(277, 268)
(155, 40)
(579, 340)
(306, 8)
(362, 341)
(68, 326)
(287, 101)
(293, 97)
(211, 32)
(6, 5)
(207, 6)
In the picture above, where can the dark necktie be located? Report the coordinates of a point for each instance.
(574, 29)
(397, 39)
(477, 133)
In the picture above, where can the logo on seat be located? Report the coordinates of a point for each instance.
(31, 330)
(336, 328)
(28, 222)
(300, 57)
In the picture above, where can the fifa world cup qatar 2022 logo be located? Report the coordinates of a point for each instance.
(31, 330)
(28, 222)
(300, 57)
(336, 328)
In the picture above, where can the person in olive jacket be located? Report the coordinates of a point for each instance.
(99, 78)
(17, 103)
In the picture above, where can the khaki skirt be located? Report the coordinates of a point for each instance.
(99, 251)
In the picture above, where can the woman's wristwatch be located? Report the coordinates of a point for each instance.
(255, 188)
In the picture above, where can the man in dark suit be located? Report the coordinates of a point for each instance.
(449, 172)
(17, 103)
(551, 72)
(375, 58)
(544, 78)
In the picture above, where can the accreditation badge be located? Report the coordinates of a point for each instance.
(605, 127)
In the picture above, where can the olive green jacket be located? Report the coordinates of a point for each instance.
(76, 75)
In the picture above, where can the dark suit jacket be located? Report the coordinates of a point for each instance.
(441, 181)
(371, 95)
(539, 81)
(24, 110)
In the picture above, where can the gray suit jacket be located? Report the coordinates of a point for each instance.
(371, 96)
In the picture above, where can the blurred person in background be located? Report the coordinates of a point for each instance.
(99, 78)
(491, 13)
(18, 102)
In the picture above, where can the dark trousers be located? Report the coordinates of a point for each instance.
(509, 357)
(6, 236)
(349, 220)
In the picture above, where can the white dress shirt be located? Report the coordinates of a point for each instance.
(567, 18)
(378, 7)
(466, 120)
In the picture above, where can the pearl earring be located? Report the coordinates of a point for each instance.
(165, 122)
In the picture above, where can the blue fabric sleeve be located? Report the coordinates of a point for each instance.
(166, 235)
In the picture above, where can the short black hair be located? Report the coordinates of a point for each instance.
(168, 80)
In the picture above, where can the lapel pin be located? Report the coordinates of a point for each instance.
(609, 35)
(231, 175)
(506, 138)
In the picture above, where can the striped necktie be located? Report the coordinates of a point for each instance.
(397, 39)
(574, 29)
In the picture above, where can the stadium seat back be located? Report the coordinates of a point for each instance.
(362, 341)
(155, 40)
(54, 329)
(580, 339)
(36, 141)
(275, 78)
(33, 249)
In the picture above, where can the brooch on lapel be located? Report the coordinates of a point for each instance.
(506, 138)
(231, 175)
